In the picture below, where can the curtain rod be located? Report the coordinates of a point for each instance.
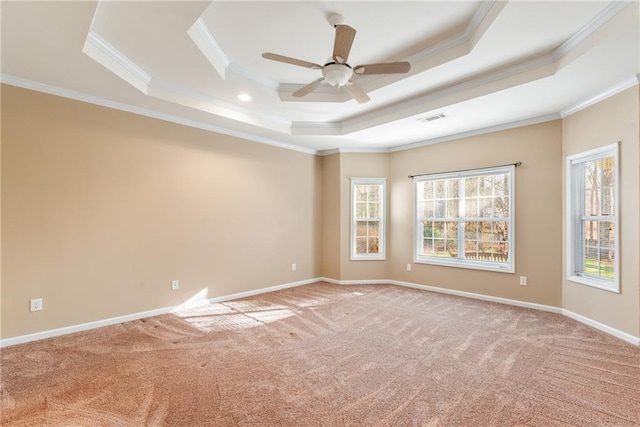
(516, 164)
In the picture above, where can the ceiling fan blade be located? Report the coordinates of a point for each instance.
(294, 61)
(342, 46)
(308, 88)
(383, 68)
(357, 93)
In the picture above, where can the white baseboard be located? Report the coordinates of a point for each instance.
(135, 316)
(140, 315)
(582, 319)
(602, 327)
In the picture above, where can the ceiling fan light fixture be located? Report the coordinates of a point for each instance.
(337, 75)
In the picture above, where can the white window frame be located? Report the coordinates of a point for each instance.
(461, 262)
(381, 255)
(575, 214)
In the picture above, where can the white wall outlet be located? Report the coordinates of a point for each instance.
(408, 267)
(294, 267)
(175, 285)
(36, 304)
(523, 280)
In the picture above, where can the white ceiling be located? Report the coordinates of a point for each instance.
(485, 65)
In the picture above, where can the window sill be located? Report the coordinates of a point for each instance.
(498, 268)
(600, 284)
(369, 258)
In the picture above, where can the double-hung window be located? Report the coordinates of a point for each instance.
(368, 218)
(466, 219)
(592, 218)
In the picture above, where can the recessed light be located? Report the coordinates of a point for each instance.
(244, 97)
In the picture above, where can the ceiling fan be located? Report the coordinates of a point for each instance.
(336, 71)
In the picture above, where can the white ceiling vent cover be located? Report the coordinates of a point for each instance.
(432, 118)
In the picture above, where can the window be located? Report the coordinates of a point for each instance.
(367, 218)
(465, 219)
(592, 224)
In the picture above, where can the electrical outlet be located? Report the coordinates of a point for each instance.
(408, 267)
(294, 267)
(36, 304)
(523, 280)
(175, 285)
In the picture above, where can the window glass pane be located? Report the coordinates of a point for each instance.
(374, 210)
(471, 230)
(501, 231)
(427, 229)
(427, 190)
(591, 265)
(592, 186)
(440, 189)
(361, 193)
(361, 210)
(606, 234)
(362, 230)
(486, 231)
(485, 210)
(372, 192)
(373, 228)
(439, 208)
(471, 187)
(501, 206)
(427, 247)
(471, 249)
(451, 230)
(471, 207)
(452, 208)
(607, 258)
(452, 188)
(501, 185)
(486, 185)
(361, 245)
(427, 209)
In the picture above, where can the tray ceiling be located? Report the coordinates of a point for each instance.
(477, 65)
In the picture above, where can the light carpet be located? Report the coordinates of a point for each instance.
(327, 355)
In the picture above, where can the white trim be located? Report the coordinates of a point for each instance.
(598, 21)
(602, 327)
(90, 99)
(600, 96)
(542, 307)
(144, 314)
(135, 316)
(461, 219)
(382, 221)
(439, 290)
(115, 61)
(209, 47)
(571, 202)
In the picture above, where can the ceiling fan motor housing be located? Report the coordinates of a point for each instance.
(337, 75)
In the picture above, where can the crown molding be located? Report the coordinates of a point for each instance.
(591, 27)
(90, 99)
(614, 90)
(115, 61)
(208, 45)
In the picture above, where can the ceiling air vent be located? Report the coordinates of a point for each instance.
(432, 118)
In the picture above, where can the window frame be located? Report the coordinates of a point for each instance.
(575, 242)
(381, 255)
(461, 262)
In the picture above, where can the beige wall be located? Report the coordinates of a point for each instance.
(331, 248)
(538, 211)
(102, 209)
(614, 119)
